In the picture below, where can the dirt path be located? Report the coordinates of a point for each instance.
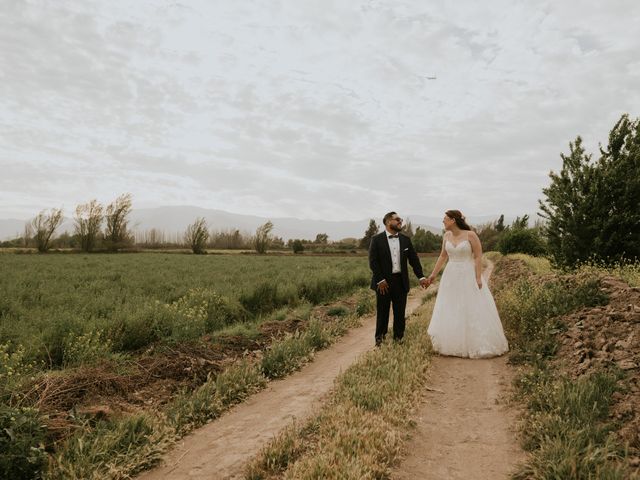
(464, 428)
(220, 449)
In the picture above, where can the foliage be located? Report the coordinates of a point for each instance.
(321, 238)
(44, 226)
(592, 207)
(521, 240)
(22, 453)
(372, 229)
(263, 237)
(359, 432)
(88, 221)
(297, 246)
(566, 424)
(86, 348)
(127, 444)
(529, 309)
(197, 235)
(47, 299)
(116, 234)
(424, 241)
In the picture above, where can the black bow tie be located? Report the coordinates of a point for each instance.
(393, 236)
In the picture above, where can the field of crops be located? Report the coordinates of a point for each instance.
(60, 307)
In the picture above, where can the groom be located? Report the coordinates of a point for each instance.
(388, 255)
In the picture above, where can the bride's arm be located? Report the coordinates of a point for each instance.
(441, 259)
(476, 246)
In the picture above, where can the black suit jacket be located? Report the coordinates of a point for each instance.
(380, 259)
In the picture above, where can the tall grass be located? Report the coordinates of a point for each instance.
(358, 434)
(629, 272)
(566, 422)
(121, 447)
(139, 299)
(529, 310)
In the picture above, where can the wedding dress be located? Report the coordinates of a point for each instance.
(465, 321)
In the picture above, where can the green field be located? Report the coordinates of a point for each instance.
(48, 302)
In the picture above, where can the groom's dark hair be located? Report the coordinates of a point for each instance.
(387, 217)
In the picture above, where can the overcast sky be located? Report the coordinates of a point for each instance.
(312, 109)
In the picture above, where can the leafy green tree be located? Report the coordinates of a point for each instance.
(521, 240)
(591, 208)
(197, 235)
(44, 226)
(263, 237)
(424, 241)
(500, 224)
(372, 229)
(297, 246)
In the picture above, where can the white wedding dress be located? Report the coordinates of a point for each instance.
(465, 320)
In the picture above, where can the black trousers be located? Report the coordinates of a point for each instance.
(396, 296)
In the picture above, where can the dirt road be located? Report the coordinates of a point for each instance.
(220, 449)
(464, 428)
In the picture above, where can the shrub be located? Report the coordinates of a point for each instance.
(14, 370)
(521, 240)
(266, 297)
(22, 436)
(86, 348)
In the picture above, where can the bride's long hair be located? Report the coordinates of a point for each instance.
(460, 219)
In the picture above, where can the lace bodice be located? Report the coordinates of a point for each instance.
(459, 253)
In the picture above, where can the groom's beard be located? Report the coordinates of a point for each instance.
(396, 228)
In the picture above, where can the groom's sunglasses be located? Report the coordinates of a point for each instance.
(399, 220)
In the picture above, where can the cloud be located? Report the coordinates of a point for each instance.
(307, 109)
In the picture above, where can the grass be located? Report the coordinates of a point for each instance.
(69, 312)
(629, 272)
(538, 265)
(359, 432)
(565, 425)
(122, 447)
(138, 299)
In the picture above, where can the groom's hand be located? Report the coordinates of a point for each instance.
(424, 282)
(383, 287)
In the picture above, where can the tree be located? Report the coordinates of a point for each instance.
(116, 234)
(372, 229)
(322, 238)
(500, 224)
(520, 223)
(297, 246)
(591, 208)
(88, 222)
(521, 240)
(408, 229)
(196, 236)
(263, 236)
(425, 241)
(44, 225)
(27, 234)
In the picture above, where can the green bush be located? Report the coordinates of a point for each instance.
(266, 297)
(521, 240)
(22, 435)
(86, 348)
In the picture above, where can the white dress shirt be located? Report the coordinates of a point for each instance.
(394, 246)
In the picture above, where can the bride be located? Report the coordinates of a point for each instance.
(465, 321)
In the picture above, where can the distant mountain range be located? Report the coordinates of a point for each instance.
(174, 220)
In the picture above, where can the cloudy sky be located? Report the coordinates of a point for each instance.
(306, 108)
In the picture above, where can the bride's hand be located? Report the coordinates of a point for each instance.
(479, 282)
